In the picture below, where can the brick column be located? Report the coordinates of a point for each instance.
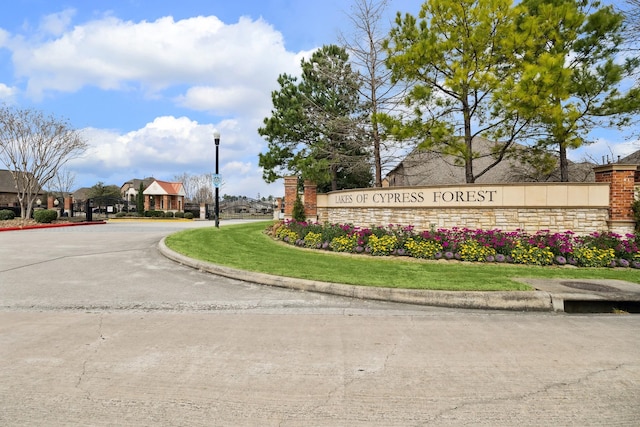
(50, 200)
(290, 194)
(68, 203)
(147, 203)
(310, 200)
(621, 179)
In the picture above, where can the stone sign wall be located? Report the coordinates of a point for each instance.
(558, 207)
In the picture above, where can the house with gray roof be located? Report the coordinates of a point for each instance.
(425, 167)
(8, 191)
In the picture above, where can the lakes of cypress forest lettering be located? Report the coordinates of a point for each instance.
(467, 196)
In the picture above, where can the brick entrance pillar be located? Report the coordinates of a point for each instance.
(621, 179)
(290, 194)
(310, 200)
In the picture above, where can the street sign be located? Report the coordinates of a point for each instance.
(217, 180)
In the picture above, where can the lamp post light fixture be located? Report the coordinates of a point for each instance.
(216, 139)
(59, 202)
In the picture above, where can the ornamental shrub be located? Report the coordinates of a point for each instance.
(298, 210)
(179, 215)
(287, 235)
(188, 215)
(6, 214)
(472, 250)
(524, 253)
(382, 245)
(419, 248)
(312, 240)
(344, 243)
(635, 207)
(594, 257)
(45, 216)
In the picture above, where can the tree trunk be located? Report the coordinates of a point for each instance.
(564, 163)
(376, 155)
(468, 154)
(334, 178)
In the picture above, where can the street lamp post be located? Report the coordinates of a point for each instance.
(216, 139)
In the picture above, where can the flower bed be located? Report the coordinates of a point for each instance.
(598, 249)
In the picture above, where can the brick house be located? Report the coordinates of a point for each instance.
(164, 196)
(130, 189)
(8, 191)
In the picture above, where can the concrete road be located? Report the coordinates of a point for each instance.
(96, 328)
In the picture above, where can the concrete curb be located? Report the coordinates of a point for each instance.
(514, 300)
(66, 224)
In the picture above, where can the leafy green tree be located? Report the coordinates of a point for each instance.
(298, 210)
(572, 81)
(140, 200)
(315, 127)
(104, 195)
(457, 56)
(632, 24)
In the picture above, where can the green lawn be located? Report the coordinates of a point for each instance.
(246, 247)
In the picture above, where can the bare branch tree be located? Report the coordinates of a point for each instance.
(198, 188)
(379, 93)
(63, 182)
(34, 147)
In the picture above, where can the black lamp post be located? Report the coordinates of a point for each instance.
(216, 139)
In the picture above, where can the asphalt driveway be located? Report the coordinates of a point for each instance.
(97, 328)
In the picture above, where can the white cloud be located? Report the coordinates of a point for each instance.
(604, 150)
(7, 94)
(170, 146)
(113, 54)
(57, 23)
(225, 100)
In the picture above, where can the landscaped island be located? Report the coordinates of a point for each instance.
(604, 249)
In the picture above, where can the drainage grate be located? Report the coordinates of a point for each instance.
(618, 307)
(593, 287)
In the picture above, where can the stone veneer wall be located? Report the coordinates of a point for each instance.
(578, 207)
(580, 221)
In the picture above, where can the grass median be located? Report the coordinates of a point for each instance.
(246, 247)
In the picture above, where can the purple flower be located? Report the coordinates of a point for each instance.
(457, 256)
(359, 249)
(635, 264)
(613, 263)
(400, 252)
(500, 258)
(561, 260)
(448, 255)
(325, 245)
(490, 258)
(623, 262)
(438, 255)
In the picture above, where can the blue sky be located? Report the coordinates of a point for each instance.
(147, 81)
